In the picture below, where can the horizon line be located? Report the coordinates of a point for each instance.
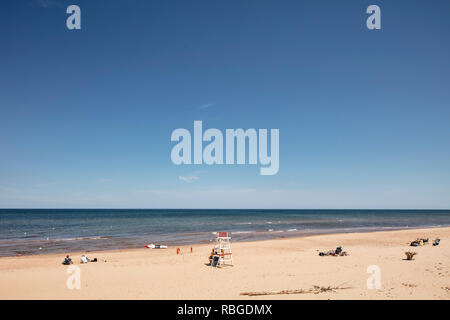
(224, 208)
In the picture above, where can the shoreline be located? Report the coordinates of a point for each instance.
(284, 235)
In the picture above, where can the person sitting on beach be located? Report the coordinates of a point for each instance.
(67, 261)
(211, 255)
(337, 252)
(327, 253)
(85, 259)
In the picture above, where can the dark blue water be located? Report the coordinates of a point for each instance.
(36, 231)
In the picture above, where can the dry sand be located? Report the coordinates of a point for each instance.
(259, 266)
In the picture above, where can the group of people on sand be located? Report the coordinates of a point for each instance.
(83, 260)
(214, 252)
(337, 252)
(422, 241)
(415, 243)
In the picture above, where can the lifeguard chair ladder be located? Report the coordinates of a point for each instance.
(222, 249)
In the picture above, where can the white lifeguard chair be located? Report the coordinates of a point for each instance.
(222, 250)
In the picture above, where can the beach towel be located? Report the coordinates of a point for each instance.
(156, 246)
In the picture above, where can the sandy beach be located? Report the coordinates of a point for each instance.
(271, 265)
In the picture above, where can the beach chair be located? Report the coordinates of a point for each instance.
(222, 248)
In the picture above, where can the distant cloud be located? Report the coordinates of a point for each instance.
(188, 179)
(206, 106)
(48, 4)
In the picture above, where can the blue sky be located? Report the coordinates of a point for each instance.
(86, 115)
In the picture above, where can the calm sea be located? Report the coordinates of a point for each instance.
(38, 231)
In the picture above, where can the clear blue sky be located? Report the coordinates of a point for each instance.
(86, 116)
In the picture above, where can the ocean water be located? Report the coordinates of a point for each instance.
(39, 231)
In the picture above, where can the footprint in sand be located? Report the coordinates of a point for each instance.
(409, 285)
(447, 289)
